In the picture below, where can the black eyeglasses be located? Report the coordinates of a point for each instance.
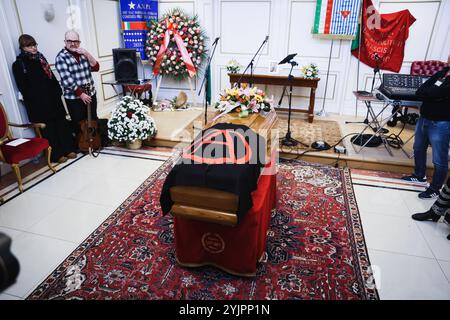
(73, 41)
(31, 46)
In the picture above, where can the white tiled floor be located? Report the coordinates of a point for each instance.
(48, 221)
(411, 259)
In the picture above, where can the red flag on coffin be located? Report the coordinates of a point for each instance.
(384, 35)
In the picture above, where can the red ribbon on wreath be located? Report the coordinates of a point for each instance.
(180, 44)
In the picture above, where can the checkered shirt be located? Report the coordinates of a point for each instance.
(73, 74)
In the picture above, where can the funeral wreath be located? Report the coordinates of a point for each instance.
(130, 121)
(175, 45)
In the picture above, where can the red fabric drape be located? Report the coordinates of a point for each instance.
(384, 35)
(233, 249)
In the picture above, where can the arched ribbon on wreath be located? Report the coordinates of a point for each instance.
(180, 44)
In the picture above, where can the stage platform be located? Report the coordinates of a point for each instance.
(177, 128)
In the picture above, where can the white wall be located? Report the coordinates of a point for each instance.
(97, 22)
(242, 26)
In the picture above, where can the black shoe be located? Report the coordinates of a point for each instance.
(429, 194)
(447, 219)
(414, 178)
(425, 216)
(392, 123)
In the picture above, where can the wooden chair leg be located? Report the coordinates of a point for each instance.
(49, 163)
(19, 177)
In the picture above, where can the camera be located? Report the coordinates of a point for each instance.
(9, 265)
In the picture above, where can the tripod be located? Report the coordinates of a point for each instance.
(288, 140)
(376, 71)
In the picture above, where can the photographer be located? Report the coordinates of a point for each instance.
(9, 266)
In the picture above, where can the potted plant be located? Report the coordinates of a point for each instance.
(131, 123)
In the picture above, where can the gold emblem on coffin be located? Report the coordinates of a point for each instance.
(213, 243)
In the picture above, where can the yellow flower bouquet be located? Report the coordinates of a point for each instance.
(244, 100)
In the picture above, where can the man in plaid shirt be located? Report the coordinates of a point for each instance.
(74, 65)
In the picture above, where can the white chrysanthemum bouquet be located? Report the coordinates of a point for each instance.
(310, 71)
(233, 66)
(130, 121)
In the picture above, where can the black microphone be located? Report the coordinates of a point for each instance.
(288, 58)
(215, 41)
(267, 38)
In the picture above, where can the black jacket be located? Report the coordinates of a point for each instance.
(42, 96)
(436, 98)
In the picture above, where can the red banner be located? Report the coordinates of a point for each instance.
(383, 37)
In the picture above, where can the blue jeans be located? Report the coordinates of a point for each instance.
(436, 133)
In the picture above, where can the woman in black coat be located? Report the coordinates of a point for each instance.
(42, 98)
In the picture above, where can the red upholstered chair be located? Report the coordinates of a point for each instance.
(427, 68)
(12, 155)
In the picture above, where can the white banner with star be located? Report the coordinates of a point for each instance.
(135, 15)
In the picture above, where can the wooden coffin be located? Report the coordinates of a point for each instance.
(217, 206)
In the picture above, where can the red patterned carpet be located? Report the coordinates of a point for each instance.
(315, 249)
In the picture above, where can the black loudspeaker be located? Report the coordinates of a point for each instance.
(125, 65)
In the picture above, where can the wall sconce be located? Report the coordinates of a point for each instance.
(49, 11)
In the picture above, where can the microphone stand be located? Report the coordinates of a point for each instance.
(375, 71)
(288, 59)
(363, 140)
(250, 65)
(205, 78)
(288, 140)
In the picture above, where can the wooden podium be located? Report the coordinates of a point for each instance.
(282, 81)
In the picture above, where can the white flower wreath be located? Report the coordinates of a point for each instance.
(130, 120)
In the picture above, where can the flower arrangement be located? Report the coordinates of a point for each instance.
(179, 26)
(233, 66)
(310, 71)
(177, 103)
(244, 100)
(130, 121)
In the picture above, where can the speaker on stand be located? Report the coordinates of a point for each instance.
(125, 65)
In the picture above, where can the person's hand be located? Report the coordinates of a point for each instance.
(80, 50)
(85, 98)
